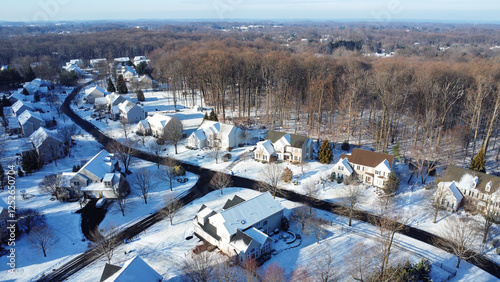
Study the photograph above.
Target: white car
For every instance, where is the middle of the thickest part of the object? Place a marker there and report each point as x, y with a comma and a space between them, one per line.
100, 203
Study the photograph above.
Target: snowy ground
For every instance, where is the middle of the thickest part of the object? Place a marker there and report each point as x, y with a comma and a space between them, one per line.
164, 247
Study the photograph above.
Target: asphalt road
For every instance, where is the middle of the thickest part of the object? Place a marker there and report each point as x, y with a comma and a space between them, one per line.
201, 188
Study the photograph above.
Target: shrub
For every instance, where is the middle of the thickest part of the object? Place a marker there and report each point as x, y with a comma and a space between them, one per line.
333, 177
160, 141
287, 175
285, 223
392, 183
179, 170
226, 157
339, 179
345, 146
140, 96
325, 154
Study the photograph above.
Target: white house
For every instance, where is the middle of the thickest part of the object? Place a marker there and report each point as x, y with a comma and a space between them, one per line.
140, 59
21, 106
371, 168
73, 67
287, 147
100, 104
228, 135
94, 92
450, 196
155, 125
48, 144
130, 112
114, 99
240, 229
134, 269
37, 86
478, 189
342, 168
13, 125
100, 177
30, 122
77, 62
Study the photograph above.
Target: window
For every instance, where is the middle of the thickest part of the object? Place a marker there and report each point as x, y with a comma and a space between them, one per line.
357, 167
76, 183
265, 223
377, 172
341, 167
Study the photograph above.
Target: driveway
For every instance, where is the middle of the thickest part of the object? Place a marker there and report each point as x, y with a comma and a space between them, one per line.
92, 217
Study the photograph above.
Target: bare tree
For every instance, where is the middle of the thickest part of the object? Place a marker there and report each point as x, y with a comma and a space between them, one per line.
226, 272
271, 175
29, 219
221, 180
125, 128
155, 149
51, 184
311, 191
360, 262
352, 196
167, 172
323, 267
215, 145
316, 226
245, 134
250, 265
66, 133
124, 152
198, 267
43, 238
302, 215
301, 274
142, 183
459, 236
436, 201
173, 133
489, 217
121, 196
106, 240
172, 206
275, 273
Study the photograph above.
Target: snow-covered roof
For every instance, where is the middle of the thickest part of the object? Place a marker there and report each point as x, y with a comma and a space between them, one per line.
95, 88
247, 213
345, 163
199, 134
159, 120
135, 269
13, 123
468, 181
257, 235
66, 178
96, 186
122, 59
27, 114
456, 193
100, 164
115, 110
267, 146
18, 96
115, 99
126, 106
144, 123
39, 136
100, 101
19, 104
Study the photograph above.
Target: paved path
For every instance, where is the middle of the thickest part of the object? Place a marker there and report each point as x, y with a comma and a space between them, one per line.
200, 189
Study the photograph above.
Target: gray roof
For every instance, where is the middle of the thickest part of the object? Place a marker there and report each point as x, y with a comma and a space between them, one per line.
233, 202
109, 270
454, 173
296, 141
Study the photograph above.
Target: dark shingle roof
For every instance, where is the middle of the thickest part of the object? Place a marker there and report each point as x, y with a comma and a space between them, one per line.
210, 229
233, 202
109, 270
454, 173
368, 158
240, 235
296, 141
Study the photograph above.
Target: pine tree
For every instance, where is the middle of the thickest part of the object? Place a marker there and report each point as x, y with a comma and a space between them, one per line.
122, 87
140, 96
395, 151
391, 184
478, 163
29, 75
206, 116
287, 175
111, 86
325, 153
213, 116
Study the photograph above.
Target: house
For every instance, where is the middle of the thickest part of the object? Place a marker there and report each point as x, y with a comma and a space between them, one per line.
94, 92
342, 169
100, 177
241, 228
73, 67
450, 196
13, 125
134, 269
130, 112
228, 135
128, 72
18, 95
122, 60
145, 82
100, 104
140, 59
115, 113
371, 168
478, 189
4, 216
21, 106
47, 144
114, 99
37, 86
30, 122
286, 147
77, 62
157, 124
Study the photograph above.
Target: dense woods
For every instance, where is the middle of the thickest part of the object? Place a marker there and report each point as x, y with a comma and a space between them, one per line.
438, 98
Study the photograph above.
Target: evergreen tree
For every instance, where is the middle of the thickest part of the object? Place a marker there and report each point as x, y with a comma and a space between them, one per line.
111, 86
392, 183
213, 116
287, 175
206, 116
395, 151
29, 75
478, 163
122, 87
325, 154
140, 95
5, 101
68, 78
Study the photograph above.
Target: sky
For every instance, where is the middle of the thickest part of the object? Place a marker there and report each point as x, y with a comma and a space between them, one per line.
372, 10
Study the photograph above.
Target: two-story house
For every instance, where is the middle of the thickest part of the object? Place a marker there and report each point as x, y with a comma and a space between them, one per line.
227, 135
100, 177
48, 144
477, 189
130, 112
285, 146
240, 229
94, 92
371, 168
155, 125
30, 122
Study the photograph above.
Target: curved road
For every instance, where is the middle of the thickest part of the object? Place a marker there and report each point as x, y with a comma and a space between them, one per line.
201, 188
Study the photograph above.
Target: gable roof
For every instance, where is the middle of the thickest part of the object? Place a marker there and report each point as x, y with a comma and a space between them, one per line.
95, 88
457, 174
345, 163
19, 104
27, 115
296, 141
257, 235
233, 202
135, 269
456, 193
267, 146
247, 213
109, 270
126, 106
41, 134
159, 120
368, 158
100, 164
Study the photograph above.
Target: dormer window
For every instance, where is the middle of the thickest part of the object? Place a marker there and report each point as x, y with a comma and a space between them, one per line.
488, 187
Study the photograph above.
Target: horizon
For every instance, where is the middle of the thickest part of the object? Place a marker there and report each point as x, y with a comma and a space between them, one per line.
444, 11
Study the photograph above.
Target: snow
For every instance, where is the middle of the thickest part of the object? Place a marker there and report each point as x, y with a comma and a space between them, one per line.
100, 164
135, 270
257, 235
41, 134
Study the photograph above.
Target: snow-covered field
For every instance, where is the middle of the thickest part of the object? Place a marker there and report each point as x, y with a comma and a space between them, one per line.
164, 247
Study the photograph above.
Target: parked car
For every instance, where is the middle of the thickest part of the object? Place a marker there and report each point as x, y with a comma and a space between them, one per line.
100, 203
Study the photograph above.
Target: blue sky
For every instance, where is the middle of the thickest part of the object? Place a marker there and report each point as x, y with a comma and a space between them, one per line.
377, 10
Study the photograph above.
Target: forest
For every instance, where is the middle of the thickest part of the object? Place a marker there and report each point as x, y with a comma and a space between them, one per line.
437, 99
